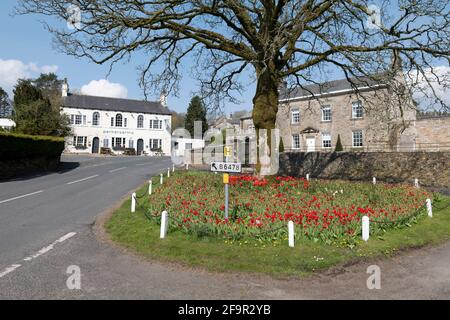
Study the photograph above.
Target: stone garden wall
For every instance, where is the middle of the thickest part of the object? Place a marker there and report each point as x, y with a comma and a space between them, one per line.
431, 168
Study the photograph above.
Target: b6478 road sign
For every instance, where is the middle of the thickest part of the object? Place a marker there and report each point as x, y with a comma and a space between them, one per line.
226, 167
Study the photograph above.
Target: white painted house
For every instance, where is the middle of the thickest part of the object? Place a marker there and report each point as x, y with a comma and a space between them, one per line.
117, 124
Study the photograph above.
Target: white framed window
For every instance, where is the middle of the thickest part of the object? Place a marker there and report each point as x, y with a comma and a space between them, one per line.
357, 138
326, 140
96, 119
80, 141
112, 121
156, 124
155, 144
357, 110
72, 119
326, 113
105, 143
118, 143
295, 141
140, 121
78, 119
295, 116
119, 120
130, 143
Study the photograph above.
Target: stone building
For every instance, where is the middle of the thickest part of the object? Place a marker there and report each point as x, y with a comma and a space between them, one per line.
364, 113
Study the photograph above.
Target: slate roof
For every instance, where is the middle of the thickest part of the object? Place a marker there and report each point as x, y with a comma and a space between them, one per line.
114, 104
328, 87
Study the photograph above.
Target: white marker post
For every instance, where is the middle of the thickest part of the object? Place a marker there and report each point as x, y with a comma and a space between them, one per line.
307, 176
133, 202
429, 208
168, 172
161, 179
173, 168
416, 183
164, 224
187, 166
291, 233
365, 228
374, 180
150, 187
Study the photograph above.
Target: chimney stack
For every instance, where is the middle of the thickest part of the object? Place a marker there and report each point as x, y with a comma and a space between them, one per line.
65, 88
163, 99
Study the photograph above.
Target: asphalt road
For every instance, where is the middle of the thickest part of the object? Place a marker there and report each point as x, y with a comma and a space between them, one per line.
43, 234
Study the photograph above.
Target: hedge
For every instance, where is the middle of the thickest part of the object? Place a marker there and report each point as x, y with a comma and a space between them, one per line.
15, 146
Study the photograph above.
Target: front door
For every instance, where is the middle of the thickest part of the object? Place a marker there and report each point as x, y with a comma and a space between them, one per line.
95, 145
310, 144
140, 146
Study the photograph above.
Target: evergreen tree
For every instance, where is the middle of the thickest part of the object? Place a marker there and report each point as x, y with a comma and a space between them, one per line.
339, 144
196, 112
5, 106
34, 113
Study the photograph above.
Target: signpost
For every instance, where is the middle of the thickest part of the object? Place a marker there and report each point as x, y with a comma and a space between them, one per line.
226, 167
230, 167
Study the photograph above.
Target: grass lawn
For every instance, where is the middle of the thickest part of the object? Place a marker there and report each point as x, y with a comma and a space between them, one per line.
136, 232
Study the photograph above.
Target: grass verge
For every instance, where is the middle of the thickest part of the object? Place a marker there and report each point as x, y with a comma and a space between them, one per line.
134, 231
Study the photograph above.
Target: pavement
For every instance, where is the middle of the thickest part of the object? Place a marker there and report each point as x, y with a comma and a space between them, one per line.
47, 227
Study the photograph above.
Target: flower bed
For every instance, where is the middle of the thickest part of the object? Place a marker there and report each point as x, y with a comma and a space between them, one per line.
328, 211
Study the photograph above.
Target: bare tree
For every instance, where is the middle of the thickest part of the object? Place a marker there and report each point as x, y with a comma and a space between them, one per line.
278, 41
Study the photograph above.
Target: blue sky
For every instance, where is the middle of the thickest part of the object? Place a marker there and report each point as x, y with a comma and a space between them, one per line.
23, 38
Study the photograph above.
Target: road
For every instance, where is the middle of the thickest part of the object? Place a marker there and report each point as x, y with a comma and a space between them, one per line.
46, 226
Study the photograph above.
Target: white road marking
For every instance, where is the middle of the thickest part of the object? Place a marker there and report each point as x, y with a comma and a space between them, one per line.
143, 164
117, 169
50, 247
84, 179
9, 270
23, 196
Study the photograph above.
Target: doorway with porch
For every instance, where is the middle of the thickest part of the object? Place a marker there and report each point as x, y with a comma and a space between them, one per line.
310, 144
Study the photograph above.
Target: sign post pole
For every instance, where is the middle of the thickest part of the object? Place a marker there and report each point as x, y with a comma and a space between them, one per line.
226, 180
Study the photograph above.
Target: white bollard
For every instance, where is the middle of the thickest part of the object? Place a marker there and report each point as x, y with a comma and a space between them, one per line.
168, 172
150, 187
374, 180
161, 179
291, 233
307, 176
173, 168
133, 202
416, 183
164, 224
187, 166
365, 228
429, 208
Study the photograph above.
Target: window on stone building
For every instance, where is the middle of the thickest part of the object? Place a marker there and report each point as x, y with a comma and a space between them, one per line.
357, 139
326, 113
78, 119
295, 141
295, 116
326, 140
357, 110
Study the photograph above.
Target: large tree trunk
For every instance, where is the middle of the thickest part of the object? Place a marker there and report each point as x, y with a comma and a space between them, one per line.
265, 108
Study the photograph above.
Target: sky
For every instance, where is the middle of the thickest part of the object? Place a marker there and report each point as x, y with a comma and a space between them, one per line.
26, 50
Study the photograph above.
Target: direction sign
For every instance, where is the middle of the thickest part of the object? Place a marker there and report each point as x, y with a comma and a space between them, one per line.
226, 167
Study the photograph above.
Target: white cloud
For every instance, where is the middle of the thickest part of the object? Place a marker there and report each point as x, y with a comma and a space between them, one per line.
104, 88
12, 70
423, 89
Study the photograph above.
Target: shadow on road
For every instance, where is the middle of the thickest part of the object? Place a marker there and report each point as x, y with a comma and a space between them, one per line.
63, 167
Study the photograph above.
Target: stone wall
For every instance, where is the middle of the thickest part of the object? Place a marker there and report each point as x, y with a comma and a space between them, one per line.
433, 133
431, 168
22, 167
